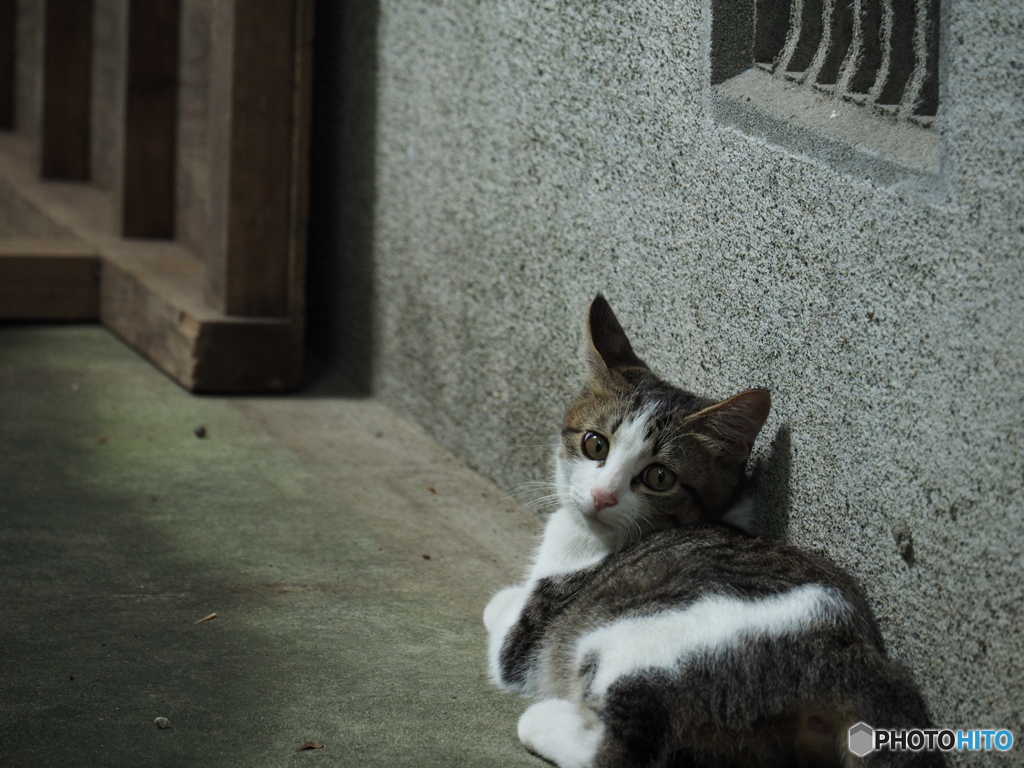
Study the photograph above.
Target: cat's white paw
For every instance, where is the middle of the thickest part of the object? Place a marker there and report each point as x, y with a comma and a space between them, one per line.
500, 616
561, 732
508, 601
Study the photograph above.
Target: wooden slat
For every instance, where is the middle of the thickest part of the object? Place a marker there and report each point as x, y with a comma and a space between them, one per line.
8, 39
251, 123
28, 75
66, 89
109, 53
151, 118
192, 174
48, 280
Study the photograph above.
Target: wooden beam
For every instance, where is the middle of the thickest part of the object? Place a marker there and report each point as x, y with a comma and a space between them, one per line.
48, 280
251, 123
8, 41
149, 298
66, 89
151, 119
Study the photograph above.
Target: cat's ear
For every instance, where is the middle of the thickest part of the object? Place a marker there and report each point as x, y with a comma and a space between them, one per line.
734, 424
609, 348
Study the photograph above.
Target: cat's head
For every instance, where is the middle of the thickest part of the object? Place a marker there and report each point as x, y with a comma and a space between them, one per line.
638, 454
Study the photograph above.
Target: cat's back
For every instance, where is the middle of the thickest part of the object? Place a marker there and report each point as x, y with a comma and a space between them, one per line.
698, 589
682, 565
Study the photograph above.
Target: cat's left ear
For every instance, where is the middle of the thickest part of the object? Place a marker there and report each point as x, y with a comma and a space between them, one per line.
609, 347
735, 423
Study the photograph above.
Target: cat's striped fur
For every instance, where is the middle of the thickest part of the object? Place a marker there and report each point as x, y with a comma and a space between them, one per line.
654, 631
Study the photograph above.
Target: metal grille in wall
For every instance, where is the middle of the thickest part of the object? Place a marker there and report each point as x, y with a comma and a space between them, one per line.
881, 54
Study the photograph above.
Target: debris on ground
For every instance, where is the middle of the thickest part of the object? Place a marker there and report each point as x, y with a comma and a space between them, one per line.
207, 618
310, 745
162, 723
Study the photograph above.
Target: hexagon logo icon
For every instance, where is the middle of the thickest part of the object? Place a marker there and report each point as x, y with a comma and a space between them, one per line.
862, 739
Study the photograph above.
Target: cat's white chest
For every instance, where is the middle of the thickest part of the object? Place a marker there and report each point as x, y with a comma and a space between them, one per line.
568, 545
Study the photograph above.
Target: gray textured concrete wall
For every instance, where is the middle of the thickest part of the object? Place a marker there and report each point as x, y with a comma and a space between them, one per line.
528, 154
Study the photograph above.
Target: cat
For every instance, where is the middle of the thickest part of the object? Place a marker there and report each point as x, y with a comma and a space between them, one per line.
653, 629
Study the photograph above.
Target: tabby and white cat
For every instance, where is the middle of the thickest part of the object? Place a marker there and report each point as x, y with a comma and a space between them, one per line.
654, 631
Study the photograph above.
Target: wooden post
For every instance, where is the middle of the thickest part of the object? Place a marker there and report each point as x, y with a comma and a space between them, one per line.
251, 122
151, 119
66, 89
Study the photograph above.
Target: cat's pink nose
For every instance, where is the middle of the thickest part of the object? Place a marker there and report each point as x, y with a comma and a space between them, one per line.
603, 499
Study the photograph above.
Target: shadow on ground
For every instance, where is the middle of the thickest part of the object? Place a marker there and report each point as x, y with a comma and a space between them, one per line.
305, 524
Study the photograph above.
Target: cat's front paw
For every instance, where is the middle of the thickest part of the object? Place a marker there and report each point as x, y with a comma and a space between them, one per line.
508, 601
562, 733
500, 615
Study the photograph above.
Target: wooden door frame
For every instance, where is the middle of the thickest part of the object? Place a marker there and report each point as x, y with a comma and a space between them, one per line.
220, 305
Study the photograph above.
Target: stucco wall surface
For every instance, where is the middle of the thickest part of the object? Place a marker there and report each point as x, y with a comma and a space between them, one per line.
527, 154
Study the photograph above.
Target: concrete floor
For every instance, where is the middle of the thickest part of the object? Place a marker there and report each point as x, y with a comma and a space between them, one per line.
347, 557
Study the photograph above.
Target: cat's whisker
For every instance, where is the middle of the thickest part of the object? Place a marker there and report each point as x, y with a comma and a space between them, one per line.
647, 521
532, 498
531, 484
543, 497
532, 488
542, 502
532, 495
624, 534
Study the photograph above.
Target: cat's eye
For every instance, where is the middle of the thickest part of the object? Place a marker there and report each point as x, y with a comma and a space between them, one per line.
595, 446
658, 478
